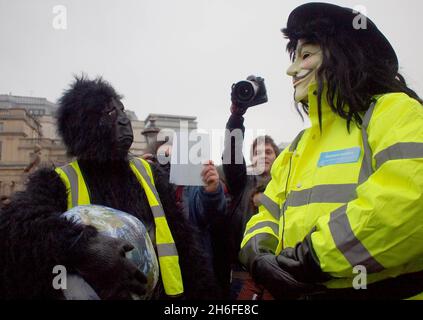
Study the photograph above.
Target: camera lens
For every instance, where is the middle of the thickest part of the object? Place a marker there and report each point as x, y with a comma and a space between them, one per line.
248, 93
244, 91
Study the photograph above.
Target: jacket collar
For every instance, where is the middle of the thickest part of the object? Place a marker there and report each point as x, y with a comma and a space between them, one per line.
327, 114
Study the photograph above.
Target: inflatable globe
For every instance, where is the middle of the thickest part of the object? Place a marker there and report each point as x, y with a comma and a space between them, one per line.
116, 224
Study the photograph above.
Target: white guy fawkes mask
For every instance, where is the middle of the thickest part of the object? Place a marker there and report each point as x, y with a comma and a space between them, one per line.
308, 58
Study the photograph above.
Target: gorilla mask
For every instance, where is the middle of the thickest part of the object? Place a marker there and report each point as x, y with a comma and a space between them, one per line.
123, 129
92, 121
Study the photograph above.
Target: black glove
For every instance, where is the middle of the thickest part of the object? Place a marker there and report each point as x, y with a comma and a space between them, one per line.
302, 262
104, 266
294, 273
279, 282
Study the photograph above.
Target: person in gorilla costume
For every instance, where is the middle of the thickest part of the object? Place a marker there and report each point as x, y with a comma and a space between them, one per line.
34, 237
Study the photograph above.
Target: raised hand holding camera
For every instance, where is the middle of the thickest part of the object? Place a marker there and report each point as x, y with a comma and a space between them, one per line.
248, 93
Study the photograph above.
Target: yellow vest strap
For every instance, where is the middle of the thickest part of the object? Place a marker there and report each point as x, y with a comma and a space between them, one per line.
76, 188
166, 248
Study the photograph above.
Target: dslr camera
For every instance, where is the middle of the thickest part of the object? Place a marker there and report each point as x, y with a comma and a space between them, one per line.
248, 93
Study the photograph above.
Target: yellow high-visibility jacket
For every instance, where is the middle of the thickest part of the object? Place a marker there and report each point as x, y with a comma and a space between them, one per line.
359, 193
78, 195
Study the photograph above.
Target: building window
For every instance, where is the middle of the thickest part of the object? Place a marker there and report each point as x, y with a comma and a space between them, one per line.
37, 112
0, 149
1, 126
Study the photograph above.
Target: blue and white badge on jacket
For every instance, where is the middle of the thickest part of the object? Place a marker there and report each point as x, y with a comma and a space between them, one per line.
350, 155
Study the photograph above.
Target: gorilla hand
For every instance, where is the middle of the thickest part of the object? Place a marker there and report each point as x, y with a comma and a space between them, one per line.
105, 267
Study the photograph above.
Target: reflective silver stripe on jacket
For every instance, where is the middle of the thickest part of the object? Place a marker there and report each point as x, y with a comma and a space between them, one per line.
166, 249
366, 166
260, 243
263, 224
325, 193
351, 247
73, 180
400, 151
270, 205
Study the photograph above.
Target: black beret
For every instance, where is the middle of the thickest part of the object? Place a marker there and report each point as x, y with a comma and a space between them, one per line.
335, 21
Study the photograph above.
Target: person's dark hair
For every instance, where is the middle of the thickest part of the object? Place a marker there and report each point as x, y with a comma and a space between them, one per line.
267, 140
352, 71
80, 118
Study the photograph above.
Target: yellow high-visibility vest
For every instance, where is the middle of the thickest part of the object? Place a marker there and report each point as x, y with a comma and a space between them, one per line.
77, 191
359, 193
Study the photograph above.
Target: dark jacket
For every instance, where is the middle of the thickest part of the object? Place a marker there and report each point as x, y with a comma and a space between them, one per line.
203, 209
241, 186
206, 212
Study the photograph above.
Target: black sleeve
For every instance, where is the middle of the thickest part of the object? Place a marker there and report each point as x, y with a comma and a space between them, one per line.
196, 268
34, 238
234, 166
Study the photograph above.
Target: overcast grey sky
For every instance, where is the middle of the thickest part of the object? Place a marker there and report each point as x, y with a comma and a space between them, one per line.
179, 56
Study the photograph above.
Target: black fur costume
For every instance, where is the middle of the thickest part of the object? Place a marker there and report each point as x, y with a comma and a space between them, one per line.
33, 236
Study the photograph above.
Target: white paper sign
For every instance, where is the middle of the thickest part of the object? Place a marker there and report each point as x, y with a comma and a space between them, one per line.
190, 150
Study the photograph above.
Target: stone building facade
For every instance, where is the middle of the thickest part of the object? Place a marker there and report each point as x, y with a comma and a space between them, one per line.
27, 125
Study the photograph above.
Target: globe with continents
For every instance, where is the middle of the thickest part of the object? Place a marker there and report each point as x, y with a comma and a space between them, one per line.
116, 224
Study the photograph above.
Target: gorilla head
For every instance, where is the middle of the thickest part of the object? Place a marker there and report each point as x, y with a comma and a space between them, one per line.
92, 121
